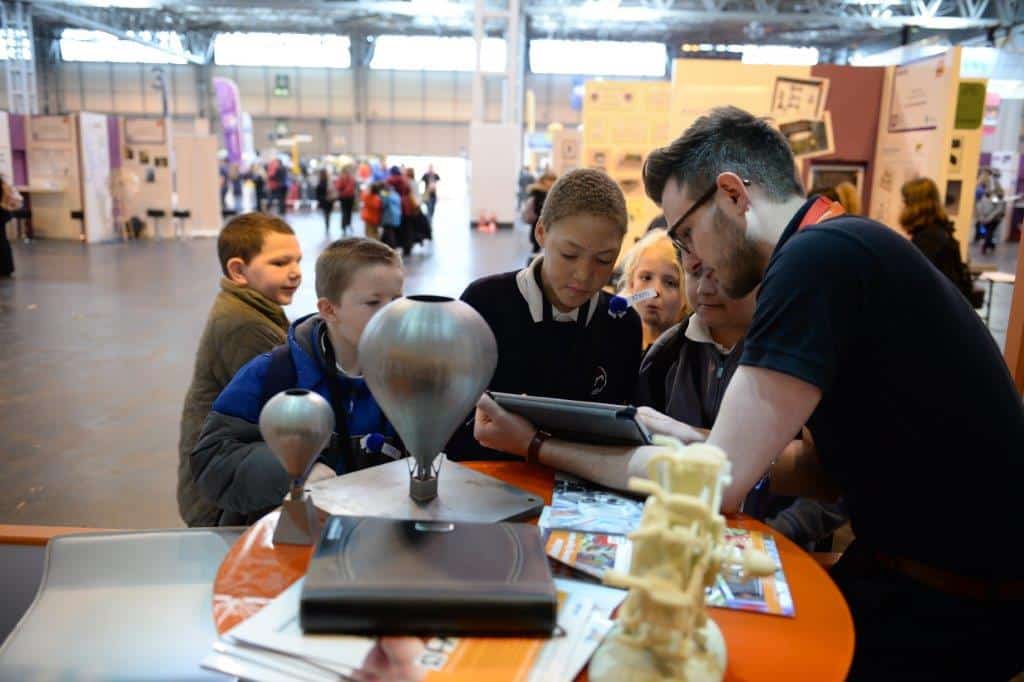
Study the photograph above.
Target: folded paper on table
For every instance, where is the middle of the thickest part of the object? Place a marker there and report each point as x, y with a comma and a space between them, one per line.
270, 646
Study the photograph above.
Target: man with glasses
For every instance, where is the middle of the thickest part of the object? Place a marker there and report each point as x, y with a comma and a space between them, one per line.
915, 417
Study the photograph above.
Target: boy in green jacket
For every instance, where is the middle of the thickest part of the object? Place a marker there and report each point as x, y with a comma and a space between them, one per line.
259, 256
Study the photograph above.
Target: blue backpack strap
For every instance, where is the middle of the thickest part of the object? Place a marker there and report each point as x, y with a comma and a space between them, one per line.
281, 374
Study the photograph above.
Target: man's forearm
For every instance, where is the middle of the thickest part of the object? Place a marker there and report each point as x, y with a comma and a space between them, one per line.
608, 465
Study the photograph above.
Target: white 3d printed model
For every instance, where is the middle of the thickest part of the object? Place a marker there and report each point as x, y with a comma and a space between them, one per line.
663, 631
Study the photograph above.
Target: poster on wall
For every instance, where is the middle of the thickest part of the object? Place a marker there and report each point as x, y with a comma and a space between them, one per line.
798, 98
569, 149
970, 106
145, 131
831, 175
809, 137
918, 95
50, 167
50, 128
956, 155
622, 122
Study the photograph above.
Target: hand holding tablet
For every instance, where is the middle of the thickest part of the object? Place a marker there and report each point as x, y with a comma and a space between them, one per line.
570, 420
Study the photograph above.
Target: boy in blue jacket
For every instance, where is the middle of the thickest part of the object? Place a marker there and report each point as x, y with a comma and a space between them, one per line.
232, 466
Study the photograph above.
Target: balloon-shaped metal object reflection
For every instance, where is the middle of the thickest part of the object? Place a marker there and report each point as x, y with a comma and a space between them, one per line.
296, 424
427, 360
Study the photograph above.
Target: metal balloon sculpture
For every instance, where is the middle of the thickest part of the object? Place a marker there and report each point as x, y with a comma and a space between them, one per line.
297, 424
427, 360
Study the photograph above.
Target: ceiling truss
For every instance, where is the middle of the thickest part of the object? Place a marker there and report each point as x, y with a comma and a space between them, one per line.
837, 24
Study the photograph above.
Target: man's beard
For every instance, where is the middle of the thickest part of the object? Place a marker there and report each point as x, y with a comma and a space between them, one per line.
743, 265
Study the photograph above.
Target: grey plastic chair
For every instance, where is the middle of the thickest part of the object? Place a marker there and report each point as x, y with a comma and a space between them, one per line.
120, 606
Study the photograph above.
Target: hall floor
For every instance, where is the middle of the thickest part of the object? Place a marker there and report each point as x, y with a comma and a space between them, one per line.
99, 345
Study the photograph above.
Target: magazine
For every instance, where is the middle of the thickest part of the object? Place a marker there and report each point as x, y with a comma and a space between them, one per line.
594, 553
738, 592
590, 553
579, 506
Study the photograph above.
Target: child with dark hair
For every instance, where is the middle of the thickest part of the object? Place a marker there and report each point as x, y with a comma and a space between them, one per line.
556, 335
233, 467
259, 258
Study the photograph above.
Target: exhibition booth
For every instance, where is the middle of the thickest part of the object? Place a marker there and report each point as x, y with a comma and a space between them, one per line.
875, 127
98, 178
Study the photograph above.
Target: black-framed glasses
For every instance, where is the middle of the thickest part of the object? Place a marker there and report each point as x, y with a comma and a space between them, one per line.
682, 244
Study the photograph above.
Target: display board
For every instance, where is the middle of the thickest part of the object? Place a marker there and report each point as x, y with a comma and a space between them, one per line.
622, 122
963, 161
699, 85
566, 150
925, 143
53, 174
97, 202
198, 188
918, 94
146, 162
494, 158
828, 113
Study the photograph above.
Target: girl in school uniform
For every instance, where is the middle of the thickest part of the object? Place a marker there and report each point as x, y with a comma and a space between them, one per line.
556, 335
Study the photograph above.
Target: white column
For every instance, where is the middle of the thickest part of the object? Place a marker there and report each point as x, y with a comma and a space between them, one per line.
479, 12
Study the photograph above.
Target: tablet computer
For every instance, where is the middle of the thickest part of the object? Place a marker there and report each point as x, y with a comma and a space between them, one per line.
578, 421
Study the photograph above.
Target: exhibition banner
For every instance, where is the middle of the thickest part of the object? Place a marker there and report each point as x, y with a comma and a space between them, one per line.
229, 106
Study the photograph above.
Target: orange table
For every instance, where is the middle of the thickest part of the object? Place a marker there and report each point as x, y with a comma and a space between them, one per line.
817, 644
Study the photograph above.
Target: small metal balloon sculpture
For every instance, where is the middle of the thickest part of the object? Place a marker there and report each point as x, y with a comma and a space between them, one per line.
297, 424
427, 360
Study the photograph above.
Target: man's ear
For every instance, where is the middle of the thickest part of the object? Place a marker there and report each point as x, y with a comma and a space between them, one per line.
540, 233
326, 310
237, 271
734, 196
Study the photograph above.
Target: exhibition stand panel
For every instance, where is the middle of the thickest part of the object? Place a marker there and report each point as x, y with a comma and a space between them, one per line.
919, 134
6, 150
494, 152
829, 114
54, 180
198, 179
69, 169
622, 122
148, 167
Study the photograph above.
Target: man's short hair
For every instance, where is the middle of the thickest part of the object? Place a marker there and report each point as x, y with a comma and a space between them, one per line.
585, 191
343, 258
243, 235
727, 139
